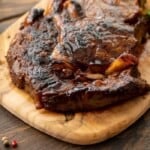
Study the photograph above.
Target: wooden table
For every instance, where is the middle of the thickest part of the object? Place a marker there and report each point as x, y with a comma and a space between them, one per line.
137, 137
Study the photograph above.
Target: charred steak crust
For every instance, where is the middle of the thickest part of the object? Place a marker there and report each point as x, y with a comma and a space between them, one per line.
69, 59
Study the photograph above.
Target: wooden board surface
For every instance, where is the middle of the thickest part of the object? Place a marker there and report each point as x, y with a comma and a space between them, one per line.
89, 147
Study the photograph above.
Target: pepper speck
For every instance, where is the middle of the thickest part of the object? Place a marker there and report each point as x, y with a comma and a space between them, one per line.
6, 143
4, 138
14, 144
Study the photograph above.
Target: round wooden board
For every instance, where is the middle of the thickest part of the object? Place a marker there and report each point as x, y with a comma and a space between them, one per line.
80, 128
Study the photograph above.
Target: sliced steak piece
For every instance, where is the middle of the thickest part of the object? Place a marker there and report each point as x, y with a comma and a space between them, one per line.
78, 55
96, 94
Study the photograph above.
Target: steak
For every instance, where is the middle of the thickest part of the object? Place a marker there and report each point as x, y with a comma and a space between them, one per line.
79, 55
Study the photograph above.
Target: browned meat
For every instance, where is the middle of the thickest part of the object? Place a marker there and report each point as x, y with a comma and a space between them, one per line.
81, 55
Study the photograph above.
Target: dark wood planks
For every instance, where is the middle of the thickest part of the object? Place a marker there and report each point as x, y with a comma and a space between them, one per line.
6, 23
12, 8
137, 137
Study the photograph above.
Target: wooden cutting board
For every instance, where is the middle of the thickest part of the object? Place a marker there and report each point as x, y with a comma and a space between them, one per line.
79, 128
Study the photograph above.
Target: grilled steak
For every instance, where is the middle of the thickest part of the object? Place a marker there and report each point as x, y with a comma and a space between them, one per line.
79, 55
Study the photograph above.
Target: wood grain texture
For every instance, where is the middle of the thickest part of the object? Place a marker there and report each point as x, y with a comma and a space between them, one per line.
137, 137
123, 144
5, 24
7, 8
10, 10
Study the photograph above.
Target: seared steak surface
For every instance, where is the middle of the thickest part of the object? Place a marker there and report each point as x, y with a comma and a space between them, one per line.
78, 55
